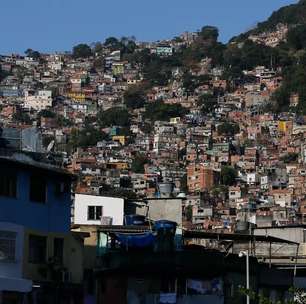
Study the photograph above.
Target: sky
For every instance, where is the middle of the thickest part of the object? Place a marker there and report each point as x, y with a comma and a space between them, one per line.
58, 25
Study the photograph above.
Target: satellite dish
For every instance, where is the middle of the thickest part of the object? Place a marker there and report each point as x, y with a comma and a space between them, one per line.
50, 146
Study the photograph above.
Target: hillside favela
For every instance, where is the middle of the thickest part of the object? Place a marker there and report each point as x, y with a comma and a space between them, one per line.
169, 171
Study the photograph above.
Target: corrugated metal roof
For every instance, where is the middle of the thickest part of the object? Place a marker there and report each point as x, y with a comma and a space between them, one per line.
233, 237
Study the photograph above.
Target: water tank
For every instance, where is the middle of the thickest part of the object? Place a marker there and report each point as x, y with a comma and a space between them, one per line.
166, 225
134, 220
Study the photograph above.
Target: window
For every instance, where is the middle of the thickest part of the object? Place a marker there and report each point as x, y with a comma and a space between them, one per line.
94, 213
58, 250
8, 185
7, 246
38, 187
37, 249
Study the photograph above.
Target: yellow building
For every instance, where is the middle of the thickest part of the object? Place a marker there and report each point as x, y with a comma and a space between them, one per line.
284, 126
76, 96
175, 120
118, 68
90, 244
118, 165
120, 138
52, 257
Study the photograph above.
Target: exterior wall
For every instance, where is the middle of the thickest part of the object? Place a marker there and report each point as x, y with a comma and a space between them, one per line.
54, 215
112, 207
164, 209
13, 269
200, 178
37, 102
72, 257
90, 246
234, 193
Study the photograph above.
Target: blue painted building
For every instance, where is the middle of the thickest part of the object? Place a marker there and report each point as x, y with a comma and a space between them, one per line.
35, 195
37, 247
10, 92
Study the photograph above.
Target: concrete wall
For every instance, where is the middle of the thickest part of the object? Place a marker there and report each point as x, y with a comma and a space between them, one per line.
90, 245
72, 257
164, 209
112, 207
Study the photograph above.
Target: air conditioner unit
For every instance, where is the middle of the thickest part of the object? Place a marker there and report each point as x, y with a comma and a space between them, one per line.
106, 220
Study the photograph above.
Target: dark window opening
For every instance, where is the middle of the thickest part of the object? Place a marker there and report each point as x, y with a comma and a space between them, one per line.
58, 250
38, 187
37, 249
8, 185
7, 245
94, 213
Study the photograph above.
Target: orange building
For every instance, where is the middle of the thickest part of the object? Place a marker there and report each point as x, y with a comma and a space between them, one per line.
200, 178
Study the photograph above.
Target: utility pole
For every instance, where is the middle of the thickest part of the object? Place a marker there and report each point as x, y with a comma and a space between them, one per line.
246, 254
247, 277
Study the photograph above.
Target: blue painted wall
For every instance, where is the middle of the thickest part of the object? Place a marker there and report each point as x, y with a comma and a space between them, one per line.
52, 216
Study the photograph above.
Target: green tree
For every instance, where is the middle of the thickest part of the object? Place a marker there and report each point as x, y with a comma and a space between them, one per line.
46, 113
290, 157
90, 136
64, 122
134, 97
33, 54
228, 175
207, 102
191, 82
209, 33
296, 37
112, 42
22, 117
138, 163
114, 117
98, 47
228, 129
86, 137
160, 111
81, 50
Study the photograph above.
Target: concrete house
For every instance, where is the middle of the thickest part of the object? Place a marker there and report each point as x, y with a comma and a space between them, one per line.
35, 238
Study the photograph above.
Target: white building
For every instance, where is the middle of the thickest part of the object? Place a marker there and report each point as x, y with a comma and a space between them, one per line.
39, 101
93, 210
